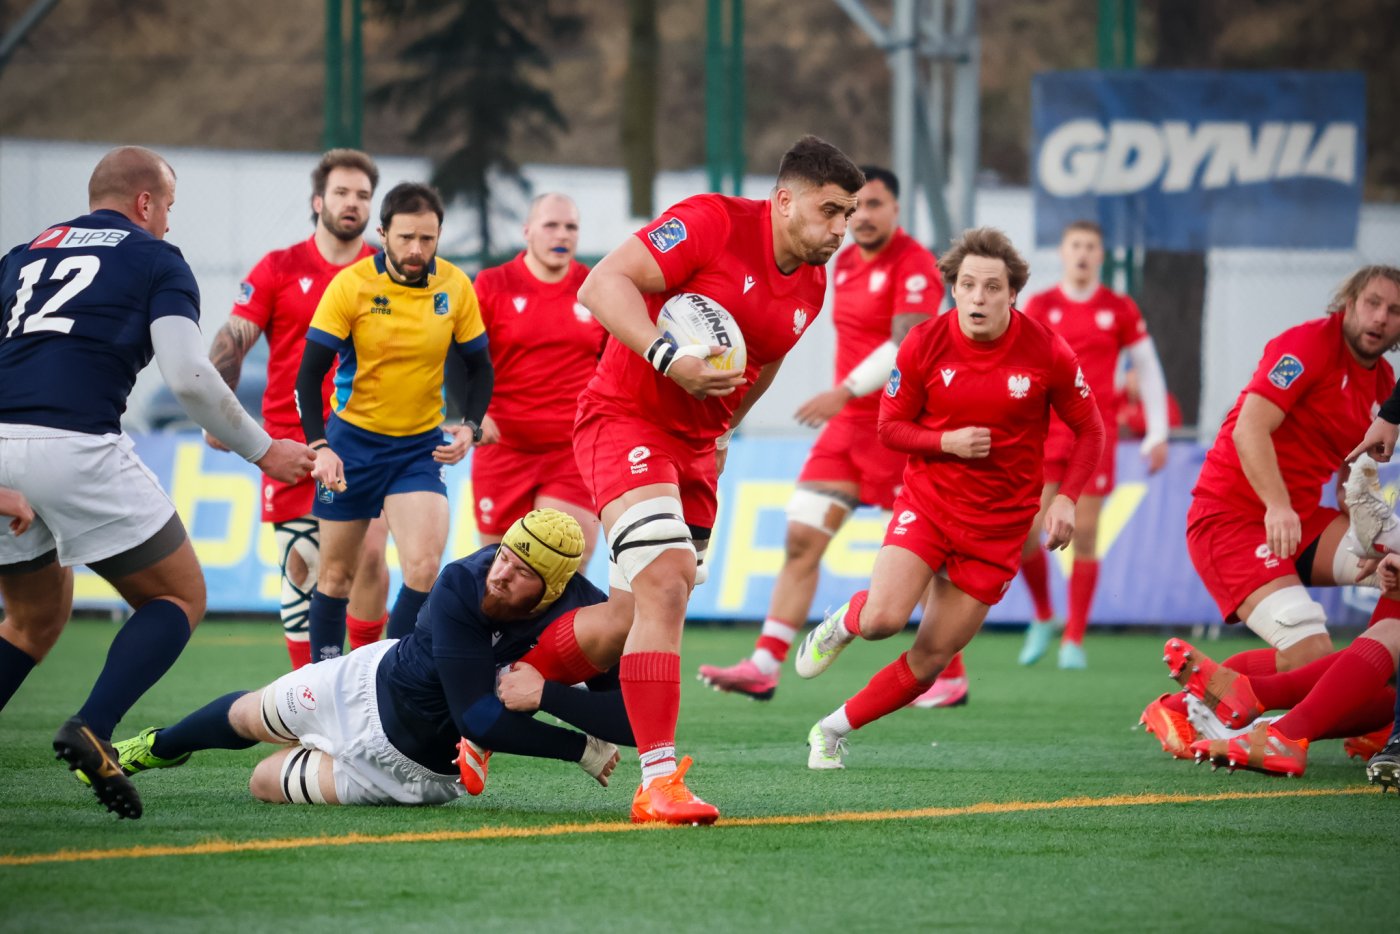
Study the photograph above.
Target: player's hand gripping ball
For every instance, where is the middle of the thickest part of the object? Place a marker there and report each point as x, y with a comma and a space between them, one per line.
695, 323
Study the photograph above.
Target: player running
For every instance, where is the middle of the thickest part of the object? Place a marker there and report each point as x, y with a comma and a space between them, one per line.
653, 423
83, 308
277, 300
1256, 532
544, 348
884, 286
401, 721
969, 400
1099, 324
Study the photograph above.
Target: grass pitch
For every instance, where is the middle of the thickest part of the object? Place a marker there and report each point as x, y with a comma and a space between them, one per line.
1034, 807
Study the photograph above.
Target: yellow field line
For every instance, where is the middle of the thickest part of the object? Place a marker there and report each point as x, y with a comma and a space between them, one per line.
219, 847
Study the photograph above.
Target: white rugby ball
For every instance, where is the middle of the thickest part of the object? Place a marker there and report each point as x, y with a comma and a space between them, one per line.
691, 319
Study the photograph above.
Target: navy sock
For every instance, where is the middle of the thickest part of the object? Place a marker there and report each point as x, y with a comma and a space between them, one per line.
15, 666
142, 652
404, 616
327, 626
206, 728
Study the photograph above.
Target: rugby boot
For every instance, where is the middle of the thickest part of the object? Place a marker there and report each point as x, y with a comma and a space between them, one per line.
1384, 767
944, 692
135, 755
1172, 729
1038, 636
668, 800
76, 744
743, 678
1225, 691
827, 750
1072, 657
1373, 522
1364, 747
823, 644
1262, 749
472, 762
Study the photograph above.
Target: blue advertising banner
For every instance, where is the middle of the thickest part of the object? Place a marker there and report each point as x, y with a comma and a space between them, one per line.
1145, 578
1189, 160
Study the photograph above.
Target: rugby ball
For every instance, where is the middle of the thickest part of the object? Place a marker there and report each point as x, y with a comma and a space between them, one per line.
693, 320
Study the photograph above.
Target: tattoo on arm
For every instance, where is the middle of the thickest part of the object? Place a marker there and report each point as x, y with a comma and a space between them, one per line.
231, 345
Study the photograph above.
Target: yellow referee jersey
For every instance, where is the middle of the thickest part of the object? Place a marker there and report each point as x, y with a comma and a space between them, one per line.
392, 342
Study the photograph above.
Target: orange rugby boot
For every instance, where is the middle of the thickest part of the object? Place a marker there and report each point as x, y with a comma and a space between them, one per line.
1172, 729
1262, 749
1226, 692
667, 800
1364, 747
472, 760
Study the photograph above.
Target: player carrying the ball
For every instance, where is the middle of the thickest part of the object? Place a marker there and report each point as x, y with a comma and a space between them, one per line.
654, 422
969, 400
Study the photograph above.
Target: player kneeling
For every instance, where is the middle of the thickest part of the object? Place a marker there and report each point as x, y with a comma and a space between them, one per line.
383, 725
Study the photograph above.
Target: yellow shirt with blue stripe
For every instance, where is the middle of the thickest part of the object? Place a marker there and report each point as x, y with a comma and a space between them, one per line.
393, 340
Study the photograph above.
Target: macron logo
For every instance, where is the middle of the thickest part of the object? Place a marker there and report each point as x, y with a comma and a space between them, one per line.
305, 283
948, 375
748, 284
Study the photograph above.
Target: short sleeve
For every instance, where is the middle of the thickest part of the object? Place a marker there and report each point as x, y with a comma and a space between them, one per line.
487, 290
917, 288
1287, 369
468, 327
687, 237
173, 289
335, 313
257, 293
1131, 327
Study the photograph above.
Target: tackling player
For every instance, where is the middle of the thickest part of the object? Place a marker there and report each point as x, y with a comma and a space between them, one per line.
884, 286
83, 307
969, 400
544, 348
278, 299
392, 319
1256, 532
1098, 324
653, 423
382, 724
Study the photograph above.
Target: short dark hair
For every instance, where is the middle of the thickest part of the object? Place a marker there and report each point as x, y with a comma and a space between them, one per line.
1086, 226
873, 173
817, 162
342, 159
990, 243
409, 198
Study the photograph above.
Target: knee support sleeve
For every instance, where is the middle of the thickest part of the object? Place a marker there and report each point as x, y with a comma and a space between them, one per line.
1346, 568
641, 534
1286, 617
819, 509
272, 717
301, 776
303, 537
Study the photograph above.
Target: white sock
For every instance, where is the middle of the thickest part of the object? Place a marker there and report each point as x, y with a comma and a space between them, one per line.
765, 661
657, 763
837, 722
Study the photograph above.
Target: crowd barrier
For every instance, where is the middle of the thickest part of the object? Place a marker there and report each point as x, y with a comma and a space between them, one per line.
1146, 576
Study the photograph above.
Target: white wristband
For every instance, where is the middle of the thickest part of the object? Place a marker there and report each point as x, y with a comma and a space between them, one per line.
872, 373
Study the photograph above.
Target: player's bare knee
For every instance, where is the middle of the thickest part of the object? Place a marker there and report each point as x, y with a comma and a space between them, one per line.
805, 545
881, 622
1387, 633
421, 572
265, 783
334, 578
1303, 652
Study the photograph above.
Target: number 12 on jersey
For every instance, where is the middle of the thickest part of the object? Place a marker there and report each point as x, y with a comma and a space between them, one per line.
78, 271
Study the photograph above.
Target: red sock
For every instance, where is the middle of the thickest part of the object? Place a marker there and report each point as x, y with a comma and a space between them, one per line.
1386, 608
852, 618
777, 641
1287, 689
1254, 663
364, 631
1036, 571
893, 687
651, 690
954, 669
558, 656
1376, 713
1359, 672
1083, 581
299, 653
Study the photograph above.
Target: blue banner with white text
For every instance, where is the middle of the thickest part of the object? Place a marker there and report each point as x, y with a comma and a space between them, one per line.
1190, 160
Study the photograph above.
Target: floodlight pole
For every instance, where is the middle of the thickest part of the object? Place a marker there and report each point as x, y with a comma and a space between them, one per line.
31, 18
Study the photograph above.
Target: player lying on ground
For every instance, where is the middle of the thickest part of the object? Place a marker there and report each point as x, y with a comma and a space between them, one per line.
382, 725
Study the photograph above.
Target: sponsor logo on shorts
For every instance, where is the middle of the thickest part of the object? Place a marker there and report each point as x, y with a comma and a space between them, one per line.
1268, 557
324, 494
306, 697
892, 387
440, 306
635, 457
799, 321
245, 293
1104, 319
1018, 385
667, 234
487, 504
902, 522
1285, 371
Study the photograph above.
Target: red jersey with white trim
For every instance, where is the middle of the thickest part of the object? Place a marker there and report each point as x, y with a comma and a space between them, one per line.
280, 296
1329, 400
720, 247
544, 347
944, 381
1097, 329
901, 279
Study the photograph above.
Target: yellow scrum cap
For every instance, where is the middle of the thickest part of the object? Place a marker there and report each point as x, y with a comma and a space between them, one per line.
551, 543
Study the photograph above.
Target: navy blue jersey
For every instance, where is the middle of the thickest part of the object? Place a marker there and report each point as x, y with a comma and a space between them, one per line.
432, 680
76, 306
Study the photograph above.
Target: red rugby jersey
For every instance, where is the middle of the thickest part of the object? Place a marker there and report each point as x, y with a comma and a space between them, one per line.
901, 279
945, 381
1329, 400
544, 347
720, 247
280, 296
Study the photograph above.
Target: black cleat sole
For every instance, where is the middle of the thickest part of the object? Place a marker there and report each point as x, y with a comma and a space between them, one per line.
76, 745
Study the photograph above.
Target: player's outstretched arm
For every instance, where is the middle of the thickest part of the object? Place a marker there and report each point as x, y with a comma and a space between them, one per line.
1152, 389
230, 346
1379, 441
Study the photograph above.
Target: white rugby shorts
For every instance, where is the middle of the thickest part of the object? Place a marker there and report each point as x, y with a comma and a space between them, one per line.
331, 706
92, 496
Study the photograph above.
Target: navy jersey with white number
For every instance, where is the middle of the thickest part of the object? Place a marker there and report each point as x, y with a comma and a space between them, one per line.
76, 306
